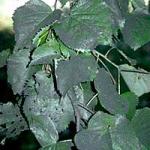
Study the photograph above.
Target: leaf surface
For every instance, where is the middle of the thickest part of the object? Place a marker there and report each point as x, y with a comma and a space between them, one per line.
108, 96
36, 14
88, 24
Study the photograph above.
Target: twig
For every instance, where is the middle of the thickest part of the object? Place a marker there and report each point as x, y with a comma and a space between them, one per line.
91, 99
84, 107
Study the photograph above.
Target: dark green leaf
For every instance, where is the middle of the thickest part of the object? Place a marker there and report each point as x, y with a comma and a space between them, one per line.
93, 139
44, 129
138, 81
101, 121
88, 24
41, 99
63, 2
11, 120
119, 9
109, 98
17, 70
123, 136
136, 31
141, 125
72, 72
63, 145
29, 19
3, 57
132, 100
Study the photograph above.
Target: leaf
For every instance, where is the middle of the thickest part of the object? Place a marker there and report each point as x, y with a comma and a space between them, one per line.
46, 53
136, 31
101, 121
41, 37
138, 3
41, 99
123, 136
36, 14
138, 81
72, 72
62, 145
97, 135
93, 139
11, 121
108, 96
141, 125
119, 11
17, 71
63, 2
86, 25
44, 129
3, 57
132, 100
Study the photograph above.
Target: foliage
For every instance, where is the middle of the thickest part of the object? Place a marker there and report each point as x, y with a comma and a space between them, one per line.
70, 66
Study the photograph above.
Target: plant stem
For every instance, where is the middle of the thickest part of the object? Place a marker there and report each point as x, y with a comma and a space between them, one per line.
91, 99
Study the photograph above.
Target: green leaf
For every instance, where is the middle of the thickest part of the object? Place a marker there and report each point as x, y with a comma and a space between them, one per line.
17, 71
72, 72
108, 96
97, 135
119, 11
62, 145
138, 3
86, 25
63, 2
132, 100
136, 31
141, 125
41, 99
3, 57
41, 37
101, 121
123, 136
93, 139
11, 120
46, 53
36, 14
138, 80
44, 129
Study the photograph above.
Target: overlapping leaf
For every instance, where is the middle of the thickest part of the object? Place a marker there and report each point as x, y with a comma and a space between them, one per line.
108, 96
41, 99
138, 81
29, 19
72, 72
136, 31
88, 24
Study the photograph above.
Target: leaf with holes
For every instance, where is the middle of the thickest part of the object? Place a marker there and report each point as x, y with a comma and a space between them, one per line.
11, 121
